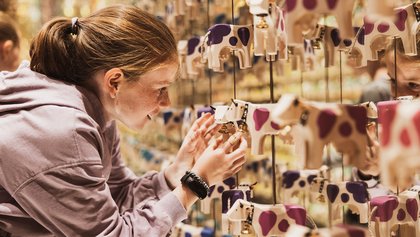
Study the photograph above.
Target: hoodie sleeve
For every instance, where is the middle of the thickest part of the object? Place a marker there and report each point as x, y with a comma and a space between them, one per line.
129, 190
73, 198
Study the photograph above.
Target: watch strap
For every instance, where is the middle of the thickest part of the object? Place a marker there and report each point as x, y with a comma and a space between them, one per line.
196, 184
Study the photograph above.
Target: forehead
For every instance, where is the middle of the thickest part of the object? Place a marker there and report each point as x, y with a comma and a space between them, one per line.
163, 75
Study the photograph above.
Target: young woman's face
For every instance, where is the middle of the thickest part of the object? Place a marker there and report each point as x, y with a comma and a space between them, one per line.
138, 101
407, 78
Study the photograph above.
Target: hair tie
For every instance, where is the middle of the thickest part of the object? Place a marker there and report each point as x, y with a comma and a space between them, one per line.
74, 25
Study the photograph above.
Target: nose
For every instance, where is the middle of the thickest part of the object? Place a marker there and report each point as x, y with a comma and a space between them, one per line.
164, 100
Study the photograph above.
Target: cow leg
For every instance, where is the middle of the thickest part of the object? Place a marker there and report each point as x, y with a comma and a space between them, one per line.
363, 212
384, 229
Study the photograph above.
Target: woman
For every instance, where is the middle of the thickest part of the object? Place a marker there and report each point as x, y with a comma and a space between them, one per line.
60, 168
405, 78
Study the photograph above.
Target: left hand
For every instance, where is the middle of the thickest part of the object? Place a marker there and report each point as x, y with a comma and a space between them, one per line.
195, 142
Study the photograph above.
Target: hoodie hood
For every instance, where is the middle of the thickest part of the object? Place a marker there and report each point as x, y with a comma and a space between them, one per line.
25, 89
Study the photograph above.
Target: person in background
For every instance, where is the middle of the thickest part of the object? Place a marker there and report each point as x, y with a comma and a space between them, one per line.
378, 89
405, 77
9, 43
61, 172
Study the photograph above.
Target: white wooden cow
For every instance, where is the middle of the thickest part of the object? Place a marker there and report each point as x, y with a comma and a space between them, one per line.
301, 12
335, 231
216, 193
222, 39
321, 123
388, 211
265, 219
229, 197
400, 143
258, 120
404, 26
194, 56
299, 181
270, 36
330, 37
353, 194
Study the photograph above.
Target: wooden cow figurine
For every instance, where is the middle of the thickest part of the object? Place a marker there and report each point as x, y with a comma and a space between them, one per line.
340, 230
222, 39
404, 26
321, 123
299, 181
388, 211
193, 58
353, 194
258, 121
269, 29
266, 220
301, 12
216, 193
400, 143
330, 37
229, 197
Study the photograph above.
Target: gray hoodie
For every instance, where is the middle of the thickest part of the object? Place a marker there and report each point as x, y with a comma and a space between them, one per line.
61, 172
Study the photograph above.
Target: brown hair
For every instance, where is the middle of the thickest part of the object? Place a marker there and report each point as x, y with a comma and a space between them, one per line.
118, 36
397, 44
8, 29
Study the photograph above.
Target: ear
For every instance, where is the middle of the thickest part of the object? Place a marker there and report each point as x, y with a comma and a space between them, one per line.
6, 48
112, 81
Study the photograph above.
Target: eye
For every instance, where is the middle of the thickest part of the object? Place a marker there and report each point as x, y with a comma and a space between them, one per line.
413, 86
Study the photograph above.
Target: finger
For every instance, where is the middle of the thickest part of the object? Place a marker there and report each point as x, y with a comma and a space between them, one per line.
199, 122
237, 169
232, 140
240, 151
217, 142
238, 162
211, 131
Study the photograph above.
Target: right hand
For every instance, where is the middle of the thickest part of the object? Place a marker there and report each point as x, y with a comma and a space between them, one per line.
219, 161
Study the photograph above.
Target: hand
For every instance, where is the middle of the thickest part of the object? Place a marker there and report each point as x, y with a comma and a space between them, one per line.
219, 162
195, 142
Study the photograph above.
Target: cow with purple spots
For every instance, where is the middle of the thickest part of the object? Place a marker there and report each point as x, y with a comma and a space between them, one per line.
216, 193
270, 36
294, 182
193, 58
353, 194
258, 122
389, 211
331, 40
404, 25
321, 123
223, 39
264, 219
229, 197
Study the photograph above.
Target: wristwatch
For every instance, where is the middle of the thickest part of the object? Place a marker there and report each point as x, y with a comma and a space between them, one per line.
195, 184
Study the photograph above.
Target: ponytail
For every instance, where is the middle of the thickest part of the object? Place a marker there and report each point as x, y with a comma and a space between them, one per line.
117, 36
